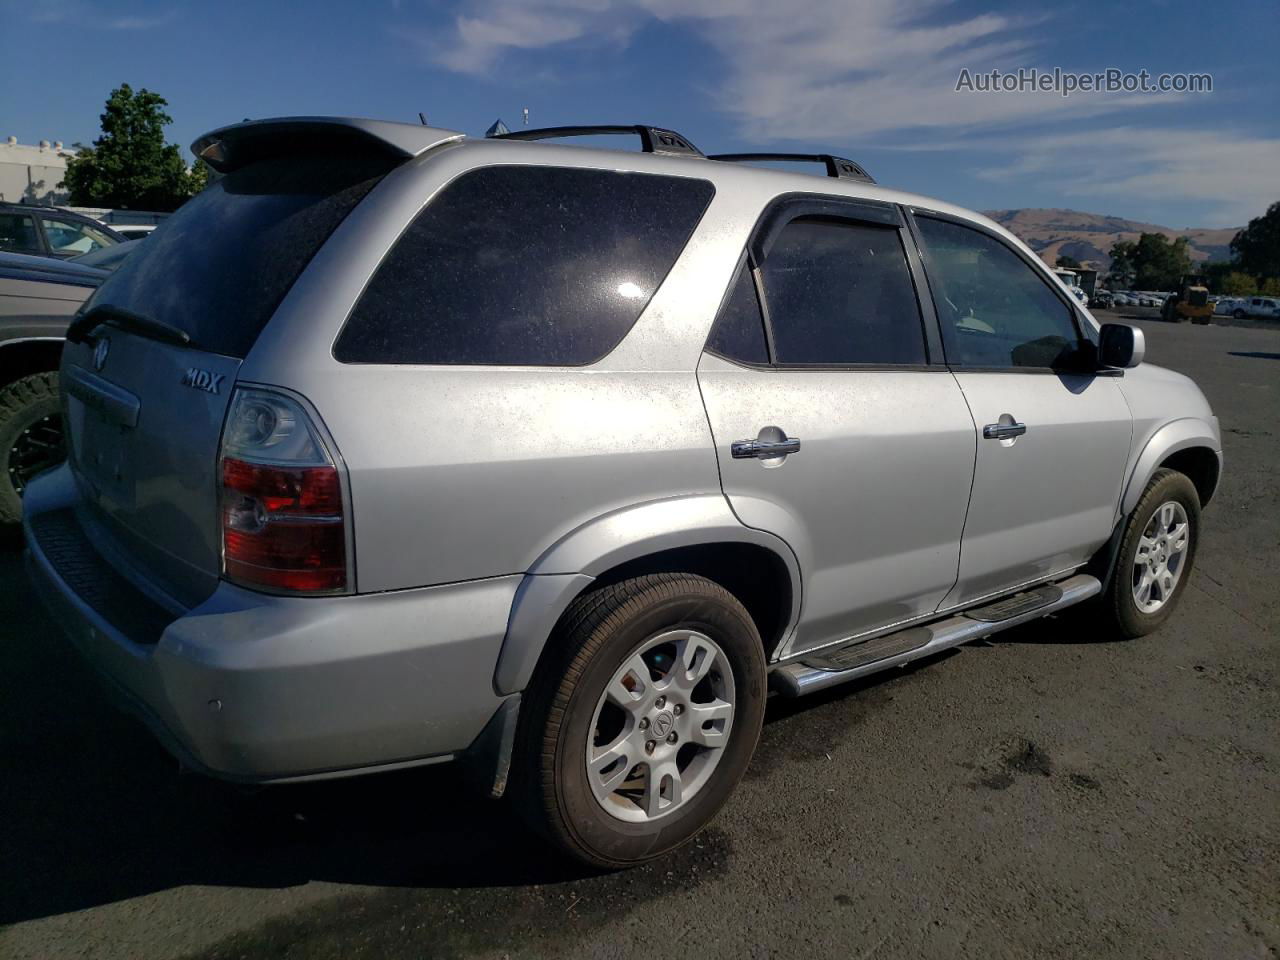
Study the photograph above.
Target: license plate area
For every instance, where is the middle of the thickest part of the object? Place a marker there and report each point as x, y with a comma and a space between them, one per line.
104, 458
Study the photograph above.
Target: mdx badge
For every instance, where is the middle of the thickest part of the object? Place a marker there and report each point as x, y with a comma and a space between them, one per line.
100, 353
203, 380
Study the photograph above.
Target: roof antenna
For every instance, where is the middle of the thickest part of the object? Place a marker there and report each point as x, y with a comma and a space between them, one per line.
423, 117
526, 116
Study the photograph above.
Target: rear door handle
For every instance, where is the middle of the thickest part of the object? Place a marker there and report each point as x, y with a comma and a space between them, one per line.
764, 449
1003, 431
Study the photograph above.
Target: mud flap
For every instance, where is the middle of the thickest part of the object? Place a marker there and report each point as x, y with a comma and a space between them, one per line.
487, 762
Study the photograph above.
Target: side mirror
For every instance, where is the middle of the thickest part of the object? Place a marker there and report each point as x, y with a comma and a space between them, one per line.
1121, 345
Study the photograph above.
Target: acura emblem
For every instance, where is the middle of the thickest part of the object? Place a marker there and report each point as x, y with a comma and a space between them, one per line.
663, 723
100, 353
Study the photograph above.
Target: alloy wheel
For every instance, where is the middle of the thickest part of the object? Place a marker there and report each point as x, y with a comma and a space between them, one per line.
1161, 557
661, 726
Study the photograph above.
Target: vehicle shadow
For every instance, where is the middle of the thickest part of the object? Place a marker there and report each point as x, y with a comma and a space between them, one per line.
96, 812
1253, 354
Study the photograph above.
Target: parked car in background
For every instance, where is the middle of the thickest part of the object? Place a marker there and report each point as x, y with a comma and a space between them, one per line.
134, 231
38, 295
107, 258
1258, 308
482, 451
50, 232
1102, 300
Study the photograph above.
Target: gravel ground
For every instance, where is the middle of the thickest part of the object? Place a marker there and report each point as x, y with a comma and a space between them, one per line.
1053, 793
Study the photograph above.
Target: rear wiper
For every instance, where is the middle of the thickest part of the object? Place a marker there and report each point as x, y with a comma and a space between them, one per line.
123, 319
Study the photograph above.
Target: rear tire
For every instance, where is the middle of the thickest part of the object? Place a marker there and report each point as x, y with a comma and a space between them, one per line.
1238, 314
1154, 563
612, 684
30, 437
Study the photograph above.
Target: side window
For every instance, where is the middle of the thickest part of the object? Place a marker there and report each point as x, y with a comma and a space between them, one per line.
524, 265
739, 330
70, 239
18, 233
994, 309
840, 292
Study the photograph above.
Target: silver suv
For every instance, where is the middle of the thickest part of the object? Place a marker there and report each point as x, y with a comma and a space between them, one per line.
395, 447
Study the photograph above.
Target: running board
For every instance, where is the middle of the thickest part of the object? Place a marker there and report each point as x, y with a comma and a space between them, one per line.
853, 660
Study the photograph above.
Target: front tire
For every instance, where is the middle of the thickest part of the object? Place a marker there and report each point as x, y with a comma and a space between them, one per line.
641, 718
1156, 555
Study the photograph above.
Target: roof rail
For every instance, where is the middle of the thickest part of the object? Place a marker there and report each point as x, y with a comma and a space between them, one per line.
652, 139
836, 166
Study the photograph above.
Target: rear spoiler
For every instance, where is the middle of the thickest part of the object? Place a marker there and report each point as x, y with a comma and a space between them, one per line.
229, 148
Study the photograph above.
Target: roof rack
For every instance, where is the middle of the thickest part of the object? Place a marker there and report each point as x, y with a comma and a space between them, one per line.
652, 139
836, 166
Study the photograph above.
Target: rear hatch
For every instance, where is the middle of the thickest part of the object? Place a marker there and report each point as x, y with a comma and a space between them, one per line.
150, 364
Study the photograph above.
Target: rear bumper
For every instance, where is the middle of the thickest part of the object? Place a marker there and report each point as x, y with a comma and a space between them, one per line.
258, 688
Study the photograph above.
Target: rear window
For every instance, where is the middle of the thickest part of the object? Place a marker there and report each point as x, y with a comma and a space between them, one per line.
220, 266
532, 266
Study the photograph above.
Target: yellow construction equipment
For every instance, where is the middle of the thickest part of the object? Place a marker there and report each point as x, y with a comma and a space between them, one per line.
1191, 302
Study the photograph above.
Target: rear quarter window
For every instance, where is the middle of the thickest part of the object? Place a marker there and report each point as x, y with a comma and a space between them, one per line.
524, 265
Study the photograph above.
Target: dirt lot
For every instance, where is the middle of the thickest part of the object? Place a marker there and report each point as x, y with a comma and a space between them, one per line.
1055, 793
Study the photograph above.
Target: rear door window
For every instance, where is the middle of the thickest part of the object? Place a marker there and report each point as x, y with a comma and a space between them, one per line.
840, 292
226, 259
70, 238
18, 234
524, 265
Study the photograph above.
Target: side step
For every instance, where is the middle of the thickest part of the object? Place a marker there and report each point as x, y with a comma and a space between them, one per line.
1015, 606
853, 660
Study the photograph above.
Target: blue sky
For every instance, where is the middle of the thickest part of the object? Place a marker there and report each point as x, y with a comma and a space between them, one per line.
870, 79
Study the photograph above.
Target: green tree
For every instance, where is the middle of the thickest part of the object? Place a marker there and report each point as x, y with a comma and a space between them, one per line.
1161, 263
1153, 263
1256, 248
1237, 284
1270, 287
1070, 263
197, 177
130, 166
1123, 268
1215, 273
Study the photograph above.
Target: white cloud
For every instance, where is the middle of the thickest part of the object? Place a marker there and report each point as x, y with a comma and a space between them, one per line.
1232, 174
885, 72
804, 69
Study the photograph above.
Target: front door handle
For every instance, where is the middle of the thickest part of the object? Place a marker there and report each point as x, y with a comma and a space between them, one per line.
764, 449
1003, 431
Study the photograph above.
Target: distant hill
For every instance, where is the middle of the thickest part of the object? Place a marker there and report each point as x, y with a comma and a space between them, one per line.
1088, 236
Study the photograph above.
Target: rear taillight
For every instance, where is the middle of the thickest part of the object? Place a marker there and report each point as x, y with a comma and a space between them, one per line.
284, 524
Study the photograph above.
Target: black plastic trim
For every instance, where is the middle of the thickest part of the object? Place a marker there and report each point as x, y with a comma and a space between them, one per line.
69, 552
788, 207
791, 206
838, 167
924, 297
652, 139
